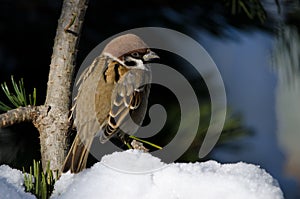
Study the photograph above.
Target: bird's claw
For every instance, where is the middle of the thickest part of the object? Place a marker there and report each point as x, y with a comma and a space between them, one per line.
139, 146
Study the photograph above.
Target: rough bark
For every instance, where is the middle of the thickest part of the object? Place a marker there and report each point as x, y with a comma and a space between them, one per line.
18, 115
53, 120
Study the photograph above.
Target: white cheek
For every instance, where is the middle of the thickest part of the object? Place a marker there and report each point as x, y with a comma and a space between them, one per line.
140, 65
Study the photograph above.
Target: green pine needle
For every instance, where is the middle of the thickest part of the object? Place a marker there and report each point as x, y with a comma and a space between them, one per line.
129, 146
38, 182
145, 142
18, 97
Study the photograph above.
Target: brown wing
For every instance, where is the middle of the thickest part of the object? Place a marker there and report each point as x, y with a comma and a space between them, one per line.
129, 102
86, 120
85, 117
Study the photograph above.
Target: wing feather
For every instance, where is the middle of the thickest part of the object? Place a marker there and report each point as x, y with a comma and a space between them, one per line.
129, 99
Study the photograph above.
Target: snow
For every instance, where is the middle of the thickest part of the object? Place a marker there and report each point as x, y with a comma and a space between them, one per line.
11, 184
134, 174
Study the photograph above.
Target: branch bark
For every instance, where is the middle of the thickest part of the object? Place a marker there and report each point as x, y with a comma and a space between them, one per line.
18, 115
52, 122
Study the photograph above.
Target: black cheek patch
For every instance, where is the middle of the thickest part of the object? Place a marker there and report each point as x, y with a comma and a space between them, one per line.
130, 63
117, 75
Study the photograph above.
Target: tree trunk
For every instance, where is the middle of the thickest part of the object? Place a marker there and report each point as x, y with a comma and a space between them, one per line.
53, 119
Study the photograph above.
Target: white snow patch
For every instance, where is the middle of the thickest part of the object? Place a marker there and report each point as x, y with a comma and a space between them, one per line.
132, 161
11, 184
133, 174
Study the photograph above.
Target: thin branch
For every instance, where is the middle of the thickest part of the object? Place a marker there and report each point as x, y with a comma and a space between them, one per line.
18, 115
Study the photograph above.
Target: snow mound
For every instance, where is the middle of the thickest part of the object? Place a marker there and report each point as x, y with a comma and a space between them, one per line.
132, 161
11, 184
133, 174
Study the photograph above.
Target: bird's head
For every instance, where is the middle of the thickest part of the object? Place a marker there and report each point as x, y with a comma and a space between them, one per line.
130, 51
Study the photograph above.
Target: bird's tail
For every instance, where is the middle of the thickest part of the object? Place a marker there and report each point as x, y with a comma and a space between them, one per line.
77, 157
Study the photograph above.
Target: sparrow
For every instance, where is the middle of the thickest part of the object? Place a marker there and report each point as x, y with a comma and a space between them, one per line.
111, 91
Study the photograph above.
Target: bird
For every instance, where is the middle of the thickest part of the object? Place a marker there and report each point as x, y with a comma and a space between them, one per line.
111, 91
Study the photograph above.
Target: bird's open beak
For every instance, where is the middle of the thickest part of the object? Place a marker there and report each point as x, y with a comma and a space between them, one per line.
150, 56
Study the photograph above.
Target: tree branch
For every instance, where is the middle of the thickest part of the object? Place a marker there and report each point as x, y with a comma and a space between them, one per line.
53, 123
18, 115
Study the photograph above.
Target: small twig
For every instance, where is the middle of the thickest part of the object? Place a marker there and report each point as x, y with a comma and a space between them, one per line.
18, 115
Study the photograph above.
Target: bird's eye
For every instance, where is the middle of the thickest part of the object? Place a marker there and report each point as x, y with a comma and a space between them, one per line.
135, 54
